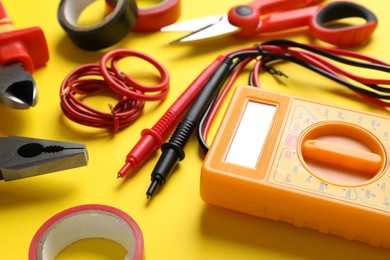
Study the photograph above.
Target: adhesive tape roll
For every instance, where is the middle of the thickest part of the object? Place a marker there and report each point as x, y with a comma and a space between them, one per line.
115, 26
83, 222
153, 18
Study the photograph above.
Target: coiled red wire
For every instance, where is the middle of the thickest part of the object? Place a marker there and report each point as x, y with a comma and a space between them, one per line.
132, 95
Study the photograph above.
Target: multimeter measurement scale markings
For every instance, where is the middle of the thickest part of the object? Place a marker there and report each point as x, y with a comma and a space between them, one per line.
289, 171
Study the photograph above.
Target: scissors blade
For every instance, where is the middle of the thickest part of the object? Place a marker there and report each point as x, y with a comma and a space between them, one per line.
219, 29
192, 25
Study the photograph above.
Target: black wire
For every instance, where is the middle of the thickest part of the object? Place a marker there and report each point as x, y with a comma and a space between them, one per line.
328, 75
287, 57
379, 67
268, 56
239, 56
351, 62
199, 131
243, 54
266, 61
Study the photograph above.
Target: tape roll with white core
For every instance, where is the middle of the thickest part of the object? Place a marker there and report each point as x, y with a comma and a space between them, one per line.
114, 27
85, 222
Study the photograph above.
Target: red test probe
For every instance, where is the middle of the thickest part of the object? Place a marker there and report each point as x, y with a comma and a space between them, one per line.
21, 51
152, 139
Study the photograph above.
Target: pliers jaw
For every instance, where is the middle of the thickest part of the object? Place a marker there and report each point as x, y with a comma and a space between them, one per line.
17, 87
22, 157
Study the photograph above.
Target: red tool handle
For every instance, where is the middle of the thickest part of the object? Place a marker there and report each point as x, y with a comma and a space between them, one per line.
315, 17
5, 21
346, 35
27, 46
247, 17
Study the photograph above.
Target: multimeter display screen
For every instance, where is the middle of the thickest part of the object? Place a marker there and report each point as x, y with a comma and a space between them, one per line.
251, 134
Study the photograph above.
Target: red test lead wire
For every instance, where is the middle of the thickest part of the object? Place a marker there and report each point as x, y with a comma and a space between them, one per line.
152, 139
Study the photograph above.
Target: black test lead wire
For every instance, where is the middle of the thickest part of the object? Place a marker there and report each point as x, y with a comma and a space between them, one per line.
240, 61
268, 56
172, 151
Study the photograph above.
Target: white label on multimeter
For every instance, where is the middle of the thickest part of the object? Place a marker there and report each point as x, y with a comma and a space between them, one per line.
251, 133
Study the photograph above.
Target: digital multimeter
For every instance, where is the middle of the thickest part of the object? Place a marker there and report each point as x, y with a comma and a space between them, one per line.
312, 164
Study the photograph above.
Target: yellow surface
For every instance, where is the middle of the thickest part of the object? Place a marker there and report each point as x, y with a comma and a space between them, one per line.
176, 224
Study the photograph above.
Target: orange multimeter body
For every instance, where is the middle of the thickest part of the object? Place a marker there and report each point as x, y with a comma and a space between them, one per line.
312, 164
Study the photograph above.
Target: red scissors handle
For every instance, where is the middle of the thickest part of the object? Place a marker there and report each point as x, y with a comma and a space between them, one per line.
247, 17
316, 17
347, 35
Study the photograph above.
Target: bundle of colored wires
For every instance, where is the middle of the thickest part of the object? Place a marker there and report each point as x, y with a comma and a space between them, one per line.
315, 58
90, 78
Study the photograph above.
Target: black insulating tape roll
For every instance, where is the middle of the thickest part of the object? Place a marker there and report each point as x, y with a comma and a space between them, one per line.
115, 26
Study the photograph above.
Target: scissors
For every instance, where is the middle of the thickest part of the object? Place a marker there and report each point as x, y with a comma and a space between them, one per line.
249, 20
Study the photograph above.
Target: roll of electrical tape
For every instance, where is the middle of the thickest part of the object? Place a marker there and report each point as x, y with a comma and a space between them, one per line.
151, 19
116, 25
83, 222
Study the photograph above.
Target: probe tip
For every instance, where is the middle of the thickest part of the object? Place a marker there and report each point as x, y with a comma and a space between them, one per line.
125, 169
152, 188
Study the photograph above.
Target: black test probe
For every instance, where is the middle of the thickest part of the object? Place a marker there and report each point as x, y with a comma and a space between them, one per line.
172, 151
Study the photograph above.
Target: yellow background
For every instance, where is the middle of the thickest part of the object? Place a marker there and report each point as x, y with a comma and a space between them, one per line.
176, 223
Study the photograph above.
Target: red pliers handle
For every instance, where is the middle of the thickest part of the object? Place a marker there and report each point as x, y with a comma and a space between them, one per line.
27, 46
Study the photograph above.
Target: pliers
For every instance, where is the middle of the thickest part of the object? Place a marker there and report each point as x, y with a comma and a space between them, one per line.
22, 157
21, 52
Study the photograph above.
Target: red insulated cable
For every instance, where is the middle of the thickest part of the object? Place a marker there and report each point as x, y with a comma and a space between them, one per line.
134, 89
90, 78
